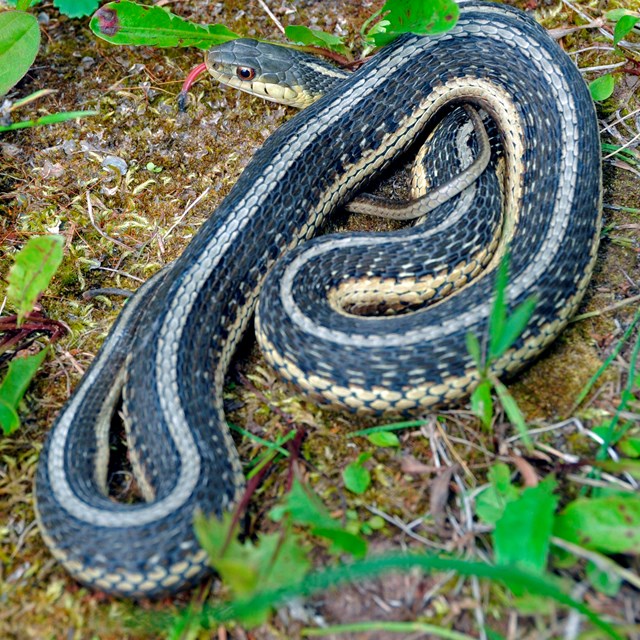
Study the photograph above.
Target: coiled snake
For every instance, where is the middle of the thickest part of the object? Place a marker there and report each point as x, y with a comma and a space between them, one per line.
166, 356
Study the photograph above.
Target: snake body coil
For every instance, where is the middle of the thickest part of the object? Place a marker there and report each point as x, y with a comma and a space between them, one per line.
167, 354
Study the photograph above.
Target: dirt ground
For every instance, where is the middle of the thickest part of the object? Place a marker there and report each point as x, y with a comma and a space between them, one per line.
142, 218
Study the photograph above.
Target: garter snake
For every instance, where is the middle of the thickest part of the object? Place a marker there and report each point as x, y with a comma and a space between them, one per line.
163, 364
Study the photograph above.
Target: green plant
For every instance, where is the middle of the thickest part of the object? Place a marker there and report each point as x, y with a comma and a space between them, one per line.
19, 44
276, 559
356, 476
527, 525
624, 22
133, 24
33, 268
71, 8
503, 330
253, 608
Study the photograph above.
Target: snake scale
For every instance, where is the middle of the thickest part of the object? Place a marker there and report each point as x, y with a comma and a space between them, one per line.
164, 362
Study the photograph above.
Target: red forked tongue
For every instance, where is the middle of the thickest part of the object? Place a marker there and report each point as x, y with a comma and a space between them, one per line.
191, 78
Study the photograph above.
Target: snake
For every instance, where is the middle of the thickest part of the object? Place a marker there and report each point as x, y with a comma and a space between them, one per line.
319, 316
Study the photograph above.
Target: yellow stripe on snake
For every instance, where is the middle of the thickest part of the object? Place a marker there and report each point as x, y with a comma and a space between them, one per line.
164, 362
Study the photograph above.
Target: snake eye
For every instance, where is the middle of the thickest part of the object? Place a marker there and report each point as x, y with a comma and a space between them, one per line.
246, 73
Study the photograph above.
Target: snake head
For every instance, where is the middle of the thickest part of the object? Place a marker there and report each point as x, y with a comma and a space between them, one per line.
272, 72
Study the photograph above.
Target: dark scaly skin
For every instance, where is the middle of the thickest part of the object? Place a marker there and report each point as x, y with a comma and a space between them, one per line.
176, 337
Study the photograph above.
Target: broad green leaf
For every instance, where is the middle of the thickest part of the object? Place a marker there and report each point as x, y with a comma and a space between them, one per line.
623, 27
19, 43
303, 35
514, 325
9, 418
304, 507
605, 582
602, 88
14, 386
76, 8
609, 435
522, 535
32, 270
630, 447
52, 118
610, 524
356, 477
416, 16
482, 403
384, 439
491, 502
130, 23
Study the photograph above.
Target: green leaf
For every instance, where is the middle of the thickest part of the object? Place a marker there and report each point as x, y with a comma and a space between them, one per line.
303, 35
356, 477
630, 447
394, 426
416, 16
490, 504
514, 325
605, 582
304, 507
76, 8
32, 270
130, 23
474, 349
332, 577
9, 419
275, 561
615, 14
384, 439
184, 624
523, 533
52, 118
623, 27
609, 435
19, 43
610, 524
498, 315
602, 88
14, 386
482, 403
513, 412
